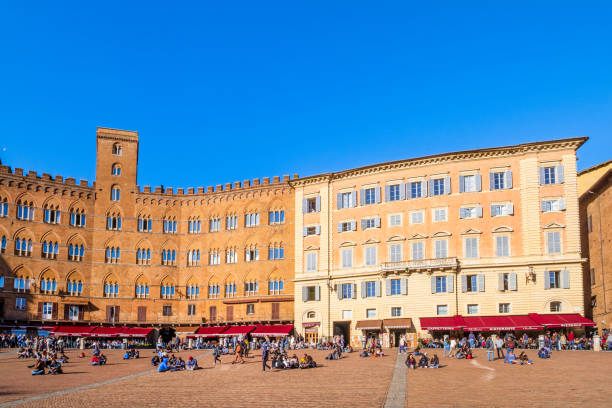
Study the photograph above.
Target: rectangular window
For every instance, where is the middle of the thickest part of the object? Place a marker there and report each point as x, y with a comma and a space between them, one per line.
469, 183
418, 251
312, 230
73, 312
215, 224
554, 279
347, 258
167, 310
472, 309
498, 180
371, 313
346, 200
472, 283
438, 187
47, 311
553, 205
549, 175
394, 192
395, 253
504, 308
441, 247
442, 310
250, 309
502, 245
191, 310
347, 290
396, 311
251, 220
396, 287
395, 220
369, 223
470, 212
231, 222
311, 293
370, 289
416, 189
370, 256
20, 303
439, 214
417, 217
346, 226
311, 205
592, 276
311, 261
276, 217
554, 242
347, 314
440, 284
470, 247
370, 196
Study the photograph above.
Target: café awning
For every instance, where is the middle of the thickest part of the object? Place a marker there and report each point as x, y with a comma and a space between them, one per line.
238, 330
107, 332
368, 325
210, 331
399, 323
500, 323
274, 330
73, 331
135, 332
562, 320
442, 323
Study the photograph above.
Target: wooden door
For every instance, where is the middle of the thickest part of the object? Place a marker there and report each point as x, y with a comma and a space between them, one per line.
213, 313
275, 311
230, 314
142, 313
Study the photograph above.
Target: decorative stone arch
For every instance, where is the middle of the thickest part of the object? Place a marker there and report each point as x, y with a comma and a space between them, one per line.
553, 225
5, 195
347, 244
143, 243
25, 197
74, 275
50, 235
396, 238
51, 202
503, 228
566, 305
417, 236
471, 231
441, 234
76, 204
115, 210
310, 314
24, 233
370, 241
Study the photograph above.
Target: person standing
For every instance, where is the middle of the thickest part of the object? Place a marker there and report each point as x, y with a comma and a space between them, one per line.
499, 346
216, 354
238, 354
490, 347
265, 349
453, 346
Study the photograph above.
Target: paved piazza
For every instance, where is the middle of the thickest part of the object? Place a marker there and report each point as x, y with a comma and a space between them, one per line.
568, 379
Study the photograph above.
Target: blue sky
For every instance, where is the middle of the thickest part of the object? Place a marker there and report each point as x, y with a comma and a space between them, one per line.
223, 93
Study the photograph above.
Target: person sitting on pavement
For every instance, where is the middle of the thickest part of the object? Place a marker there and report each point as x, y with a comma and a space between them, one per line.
126, 356
424, 361
55, 367
163, 366
543, 353
102, 359
192, 364
510, 357
95, 360
39, 367
411, 361
434, 362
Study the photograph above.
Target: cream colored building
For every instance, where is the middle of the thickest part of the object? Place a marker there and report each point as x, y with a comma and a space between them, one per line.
488, 232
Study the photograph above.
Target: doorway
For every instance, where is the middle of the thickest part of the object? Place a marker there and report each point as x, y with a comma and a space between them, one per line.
343, 329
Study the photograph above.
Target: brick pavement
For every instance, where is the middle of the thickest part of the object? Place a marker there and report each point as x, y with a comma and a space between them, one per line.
350, 381
569, 378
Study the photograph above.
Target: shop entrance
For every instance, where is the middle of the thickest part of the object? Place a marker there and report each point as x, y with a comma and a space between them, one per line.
394, 336
343, 329
311, 335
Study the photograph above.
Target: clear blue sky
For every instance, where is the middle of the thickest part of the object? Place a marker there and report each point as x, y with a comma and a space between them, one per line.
252, 89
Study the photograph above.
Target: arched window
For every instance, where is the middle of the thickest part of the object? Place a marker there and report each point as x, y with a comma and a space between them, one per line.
276, 251
251, 287
77, 217
117, 149
251, 253
310, 315
214, 257
231, 255
49, 250
25, 210
52, 214
113, 221
22, 283
143, 256
115, 193
76, 251
112, 255
194, 225
48, 284
193, 257
116, 170
170, 226
142, 288
167, 289
213, 290
193, 289
3, 244
23, 247
555, 306
74, 286
230, 289
168, 257
3, 207
111, 287
144, 223
275, 286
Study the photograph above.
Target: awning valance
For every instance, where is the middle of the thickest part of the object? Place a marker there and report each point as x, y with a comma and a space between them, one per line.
368, 325
562, 320
210, 331
107, 332
399, 323
500, 323
442, 323
274, 330
238, 330
73, 331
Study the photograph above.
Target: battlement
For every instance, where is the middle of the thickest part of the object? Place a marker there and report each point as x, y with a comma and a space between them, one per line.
219, 188
46, 177
117, 134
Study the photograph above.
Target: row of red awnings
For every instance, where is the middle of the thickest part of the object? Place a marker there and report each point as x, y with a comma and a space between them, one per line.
90, 331
532, 321
259, 330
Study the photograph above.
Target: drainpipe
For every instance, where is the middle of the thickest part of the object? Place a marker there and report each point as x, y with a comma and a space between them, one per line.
601, 250
329, 257
457, 289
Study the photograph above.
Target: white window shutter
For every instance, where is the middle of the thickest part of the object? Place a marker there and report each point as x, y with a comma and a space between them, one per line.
478, 182
318, 203
304, 231
377, 222
339, 227
508, 179
353, 199
387, 193
404, 286
433, 284
377, 194
431, 189
512, 281
388, 287
461, 184
481, 282
560, 176
304, 293
339, 291
363, 290
353, 225
424, 189
317, 293
450, 283
509, 208
463, 283
363, 222
479, 211
318, 229
404, 191
562, 204
565, 279
500, 281
338, 201
447, 185
491, 181
377, 288
361, 197
461, 212
546, 280
541, 175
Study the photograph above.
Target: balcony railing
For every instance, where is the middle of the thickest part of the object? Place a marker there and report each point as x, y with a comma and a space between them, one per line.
436, 263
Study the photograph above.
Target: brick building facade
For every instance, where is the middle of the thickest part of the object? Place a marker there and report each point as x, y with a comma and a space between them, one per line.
114, 252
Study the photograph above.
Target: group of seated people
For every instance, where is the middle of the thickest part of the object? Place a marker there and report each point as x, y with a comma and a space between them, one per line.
98, 359
544, 353
131, 353
522, 358
372, 351
281, 360
173, 363
54, 366
464, 352
424, 361
336, 353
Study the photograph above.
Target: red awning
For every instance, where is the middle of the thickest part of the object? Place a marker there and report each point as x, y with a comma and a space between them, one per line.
74, 331
274, 330
107, 331
237, 330
500, 323
211, 331
442, 323
135, 332
562, 320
